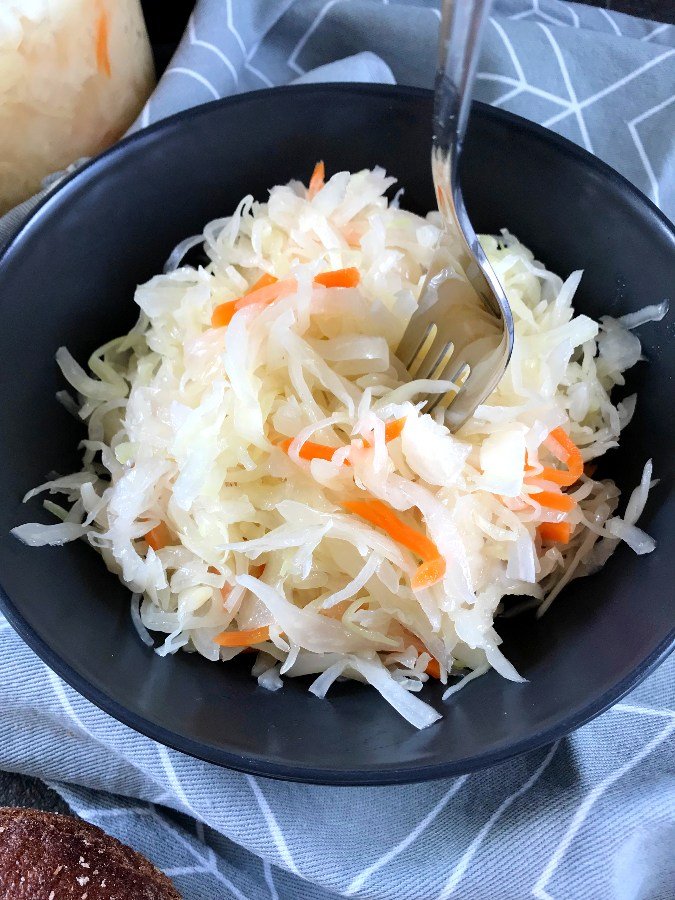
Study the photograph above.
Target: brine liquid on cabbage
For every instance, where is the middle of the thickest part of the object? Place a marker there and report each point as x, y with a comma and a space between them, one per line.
260, 473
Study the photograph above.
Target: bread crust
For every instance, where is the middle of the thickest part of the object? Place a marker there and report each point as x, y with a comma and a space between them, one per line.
46, 856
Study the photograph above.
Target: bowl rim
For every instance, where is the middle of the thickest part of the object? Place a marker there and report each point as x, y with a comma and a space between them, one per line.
259, 764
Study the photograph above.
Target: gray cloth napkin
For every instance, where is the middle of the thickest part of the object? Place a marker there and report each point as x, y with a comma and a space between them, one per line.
592, 816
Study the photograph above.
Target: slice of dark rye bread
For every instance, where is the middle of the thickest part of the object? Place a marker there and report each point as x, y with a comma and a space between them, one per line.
46, 856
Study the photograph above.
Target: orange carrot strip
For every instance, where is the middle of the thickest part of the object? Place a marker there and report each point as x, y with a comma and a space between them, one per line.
428, 573
243, 638
264, 280
158, 537
564, 449
557, 476
317, 180
433, 668
268, 289
379, 514
560, 445
223, 313
268, 293
558, 532
102, 54
553, 500
339, 278
310, 450
393, 429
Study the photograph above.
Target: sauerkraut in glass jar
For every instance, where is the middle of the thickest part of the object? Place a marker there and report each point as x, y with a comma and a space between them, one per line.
74, 74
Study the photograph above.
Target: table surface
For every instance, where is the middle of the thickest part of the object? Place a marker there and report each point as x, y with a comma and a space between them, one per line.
165, 29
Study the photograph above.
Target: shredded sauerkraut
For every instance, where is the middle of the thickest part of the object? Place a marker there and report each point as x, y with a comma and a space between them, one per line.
202, 487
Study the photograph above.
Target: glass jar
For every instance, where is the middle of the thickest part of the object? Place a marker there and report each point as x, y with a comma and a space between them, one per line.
74, 74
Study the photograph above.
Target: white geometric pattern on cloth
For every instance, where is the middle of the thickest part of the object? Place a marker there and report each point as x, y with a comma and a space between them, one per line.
275, 831
357, 883
584, 809
292, 59
196, 42
191, 73
463, 864
552, 824
574, 106
632, 127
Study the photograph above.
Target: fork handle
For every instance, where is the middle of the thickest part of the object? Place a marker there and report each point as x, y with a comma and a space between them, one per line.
462, 23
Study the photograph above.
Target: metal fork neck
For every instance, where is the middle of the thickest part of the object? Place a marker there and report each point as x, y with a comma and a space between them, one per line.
462, 22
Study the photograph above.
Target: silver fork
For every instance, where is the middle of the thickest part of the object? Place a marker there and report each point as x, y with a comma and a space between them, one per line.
462, 330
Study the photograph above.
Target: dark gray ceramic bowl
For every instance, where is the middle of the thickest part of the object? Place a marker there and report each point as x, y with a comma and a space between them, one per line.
69, 277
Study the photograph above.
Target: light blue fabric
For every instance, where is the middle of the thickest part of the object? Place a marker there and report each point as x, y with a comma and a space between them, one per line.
590, 817
602, 79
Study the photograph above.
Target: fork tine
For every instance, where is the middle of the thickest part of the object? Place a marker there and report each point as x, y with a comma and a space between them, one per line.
443, 361
459, 375
433, 356
418, 355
